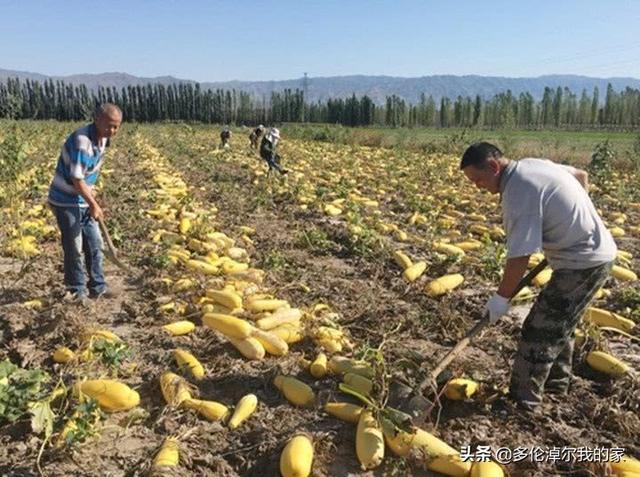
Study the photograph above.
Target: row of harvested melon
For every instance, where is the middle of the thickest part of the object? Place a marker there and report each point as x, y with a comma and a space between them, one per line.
231, 328
270, 325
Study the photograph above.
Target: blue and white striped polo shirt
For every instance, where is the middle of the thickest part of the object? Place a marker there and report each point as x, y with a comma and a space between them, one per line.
81, 157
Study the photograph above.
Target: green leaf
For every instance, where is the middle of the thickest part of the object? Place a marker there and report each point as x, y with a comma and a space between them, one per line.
7, 368
399, 419
20, 388
388, 427
345, 388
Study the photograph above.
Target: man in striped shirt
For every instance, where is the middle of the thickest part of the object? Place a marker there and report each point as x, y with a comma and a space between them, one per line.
73, 202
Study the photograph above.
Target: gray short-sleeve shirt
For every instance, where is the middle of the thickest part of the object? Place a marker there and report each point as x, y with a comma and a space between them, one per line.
545, 208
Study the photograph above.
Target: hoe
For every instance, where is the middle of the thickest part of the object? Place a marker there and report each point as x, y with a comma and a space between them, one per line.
412, 400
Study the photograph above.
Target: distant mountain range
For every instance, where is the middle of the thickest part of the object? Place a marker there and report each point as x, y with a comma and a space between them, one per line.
376, 87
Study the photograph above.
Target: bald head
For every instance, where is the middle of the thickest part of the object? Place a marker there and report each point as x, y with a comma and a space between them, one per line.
108, 120
109, 109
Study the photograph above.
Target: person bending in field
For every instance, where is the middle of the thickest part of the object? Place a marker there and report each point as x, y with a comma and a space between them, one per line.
225, 138
268, 151
72, 199
546, 207
254, 136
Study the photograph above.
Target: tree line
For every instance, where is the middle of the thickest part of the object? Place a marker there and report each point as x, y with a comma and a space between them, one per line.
558, 108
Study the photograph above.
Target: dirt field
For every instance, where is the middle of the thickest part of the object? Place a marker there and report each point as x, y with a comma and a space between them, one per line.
387, 200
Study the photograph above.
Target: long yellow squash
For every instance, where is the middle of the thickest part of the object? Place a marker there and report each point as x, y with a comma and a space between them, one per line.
169, 454
183, 284
245, 407
617, 232
345, 411
211, 410
326, 332
228, 325
63, 355
297, 457
448, 249
459, 389
174, 389
444, 284
369, 441
476, 217
605, 363
112, 396
600, 317
402, 442
330, 345
469, 245
186, 360
318, 368
623, 274
178, 328
542, 278
401, 259
280, 317
479, 229
69, 427
272, 343
535, 259
232, 267
414, 272
265, 305
486, 469
626, 464
202, 267
359, 383
343, 365
450, 465
295, 390
626, 473
250, 347
184, 225
290, 333
102, 334
227, 298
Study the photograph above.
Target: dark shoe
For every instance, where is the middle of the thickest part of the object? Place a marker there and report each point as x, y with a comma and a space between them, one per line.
108, 293
508, 404
530, 408
559, 387
557, 391
284, 171
76, 298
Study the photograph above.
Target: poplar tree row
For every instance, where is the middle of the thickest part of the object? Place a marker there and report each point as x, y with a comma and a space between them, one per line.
558, 107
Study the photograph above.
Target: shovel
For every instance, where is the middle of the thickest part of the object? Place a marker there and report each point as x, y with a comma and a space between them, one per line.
112, 254
418, 405
110, 251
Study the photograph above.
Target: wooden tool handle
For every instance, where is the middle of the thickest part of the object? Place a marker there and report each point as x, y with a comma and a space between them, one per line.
462, 344
111, 252
107, 237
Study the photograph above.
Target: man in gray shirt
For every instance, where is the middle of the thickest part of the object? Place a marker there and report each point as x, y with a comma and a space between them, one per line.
546, 208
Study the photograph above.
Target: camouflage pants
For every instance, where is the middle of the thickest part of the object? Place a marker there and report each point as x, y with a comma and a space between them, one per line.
545, 352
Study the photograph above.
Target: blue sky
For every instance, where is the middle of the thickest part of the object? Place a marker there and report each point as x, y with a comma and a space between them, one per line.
271, 40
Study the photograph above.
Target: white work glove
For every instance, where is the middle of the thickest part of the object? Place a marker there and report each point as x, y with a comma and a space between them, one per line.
497, 306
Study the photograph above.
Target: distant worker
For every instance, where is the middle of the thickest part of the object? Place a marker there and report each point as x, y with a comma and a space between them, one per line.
268, 150
255, 135
225, 138
72, 199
